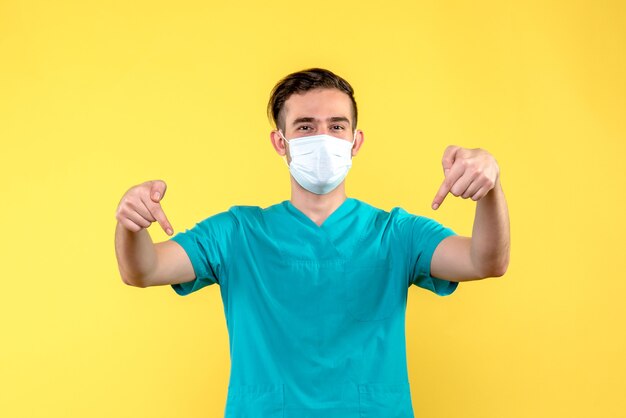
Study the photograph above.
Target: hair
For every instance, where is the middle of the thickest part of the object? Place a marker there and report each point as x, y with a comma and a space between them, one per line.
301, 82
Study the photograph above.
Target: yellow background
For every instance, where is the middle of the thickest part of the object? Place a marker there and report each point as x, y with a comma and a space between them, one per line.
97, 96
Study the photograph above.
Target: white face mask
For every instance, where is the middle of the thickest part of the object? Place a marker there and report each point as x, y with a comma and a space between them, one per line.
319, 163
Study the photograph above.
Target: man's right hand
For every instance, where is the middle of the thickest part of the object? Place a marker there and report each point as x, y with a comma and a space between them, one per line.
141, 205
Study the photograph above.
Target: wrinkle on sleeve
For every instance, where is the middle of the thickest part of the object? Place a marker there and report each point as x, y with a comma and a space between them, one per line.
421, 237
208, 246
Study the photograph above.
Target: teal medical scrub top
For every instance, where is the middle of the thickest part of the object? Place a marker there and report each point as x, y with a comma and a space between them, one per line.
315, 314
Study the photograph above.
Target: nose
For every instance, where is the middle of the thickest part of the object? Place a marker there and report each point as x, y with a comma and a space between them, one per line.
323, 130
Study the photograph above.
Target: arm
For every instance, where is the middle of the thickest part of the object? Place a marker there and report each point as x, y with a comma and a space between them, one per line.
475, 174
142, 263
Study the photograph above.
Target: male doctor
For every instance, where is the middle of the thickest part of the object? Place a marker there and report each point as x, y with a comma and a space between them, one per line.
314, 288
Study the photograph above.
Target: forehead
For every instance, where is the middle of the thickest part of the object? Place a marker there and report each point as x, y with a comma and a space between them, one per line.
319, 104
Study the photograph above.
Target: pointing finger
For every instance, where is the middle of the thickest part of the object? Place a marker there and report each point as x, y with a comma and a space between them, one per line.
443, 191
452, 175
159, 215
157, 212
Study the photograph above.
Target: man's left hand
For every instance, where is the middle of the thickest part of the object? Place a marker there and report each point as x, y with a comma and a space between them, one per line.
469, 173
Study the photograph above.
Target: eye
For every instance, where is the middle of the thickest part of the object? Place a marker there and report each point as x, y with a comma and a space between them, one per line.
304, 128
338, 127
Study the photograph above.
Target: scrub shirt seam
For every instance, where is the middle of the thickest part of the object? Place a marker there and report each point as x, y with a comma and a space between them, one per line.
363, 234
229, 246
185, 241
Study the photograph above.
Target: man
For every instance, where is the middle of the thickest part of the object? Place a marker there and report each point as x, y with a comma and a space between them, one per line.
314, 288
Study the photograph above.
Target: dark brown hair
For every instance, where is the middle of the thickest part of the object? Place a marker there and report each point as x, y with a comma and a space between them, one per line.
301, 82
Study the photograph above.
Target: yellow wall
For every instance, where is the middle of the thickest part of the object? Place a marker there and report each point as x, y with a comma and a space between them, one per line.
98, 96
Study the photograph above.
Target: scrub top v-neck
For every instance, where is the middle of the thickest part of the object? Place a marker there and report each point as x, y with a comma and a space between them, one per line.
315, 314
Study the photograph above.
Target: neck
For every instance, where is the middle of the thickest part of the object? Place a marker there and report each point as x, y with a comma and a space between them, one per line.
317, 207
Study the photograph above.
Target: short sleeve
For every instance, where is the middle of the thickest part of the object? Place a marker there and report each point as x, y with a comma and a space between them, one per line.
423, 235
208, 246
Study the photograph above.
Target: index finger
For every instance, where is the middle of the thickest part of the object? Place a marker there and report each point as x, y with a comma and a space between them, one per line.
443, 191
452, 175
157, 212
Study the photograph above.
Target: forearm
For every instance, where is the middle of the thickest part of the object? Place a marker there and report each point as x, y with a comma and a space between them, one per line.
491, 241
136, 255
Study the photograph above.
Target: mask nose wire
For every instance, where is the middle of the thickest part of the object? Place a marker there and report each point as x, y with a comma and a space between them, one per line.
287, 142
352, 142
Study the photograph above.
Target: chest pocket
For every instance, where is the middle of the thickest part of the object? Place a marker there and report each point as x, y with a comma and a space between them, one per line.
372, 291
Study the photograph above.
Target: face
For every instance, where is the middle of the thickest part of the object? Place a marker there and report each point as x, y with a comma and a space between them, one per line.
317, 112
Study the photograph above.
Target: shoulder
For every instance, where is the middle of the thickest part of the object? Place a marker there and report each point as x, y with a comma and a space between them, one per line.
363, 208
395, 222
249, 213
240, 215
244, 211
395, 216
401, 223
247, 216
402, 217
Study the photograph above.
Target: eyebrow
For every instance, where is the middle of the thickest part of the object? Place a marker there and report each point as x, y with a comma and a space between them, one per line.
332, 119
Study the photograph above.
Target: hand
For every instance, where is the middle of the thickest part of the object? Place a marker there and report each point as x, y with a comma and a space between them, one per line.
468, 173
140, 206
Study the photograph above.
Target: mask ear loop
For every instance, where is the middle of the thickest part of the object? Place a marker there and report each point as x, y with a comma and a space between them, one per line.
286, 142
352, 143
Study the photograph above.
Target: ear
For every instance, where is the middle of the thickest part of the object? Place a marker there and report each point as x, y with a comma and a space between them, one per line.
358, 141
278, 143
